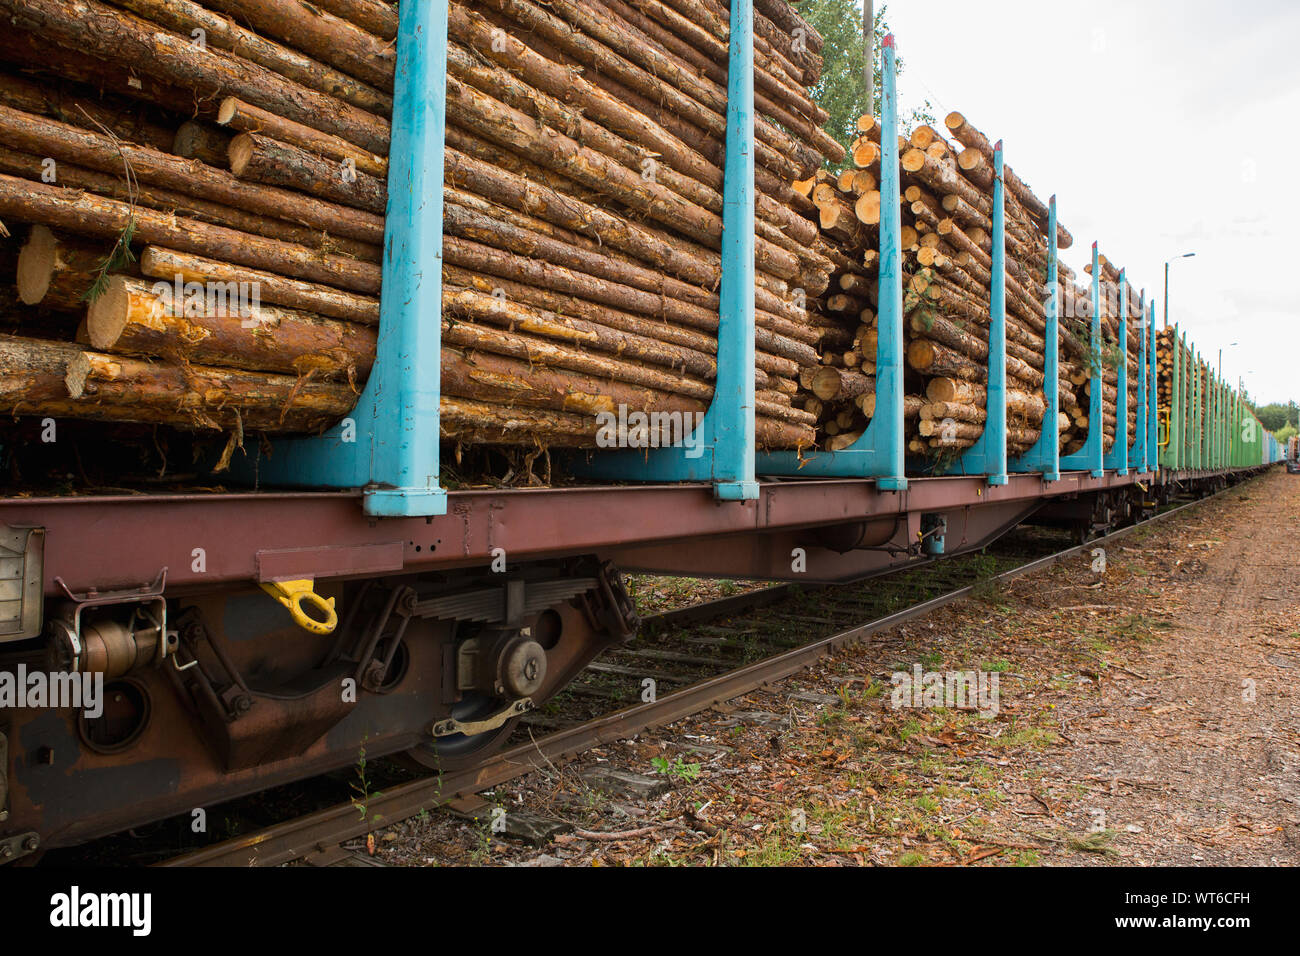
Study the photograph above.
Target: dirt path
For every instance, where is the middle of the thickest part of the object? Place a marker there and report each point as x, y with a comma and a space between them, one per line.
1202, 754
1147, 715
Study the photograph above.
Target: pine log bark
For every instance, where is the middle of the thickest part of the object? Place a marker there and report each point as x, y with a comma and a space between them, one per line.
165, 200
159, 262
184, 17
265, 160
132, 317
96, 29
247, 118
196, 140
57, 270
319, 34
61, 141
373, 16
474, 306
610, 69
562, 84
92, 110
125, 389
552, 149
107, 218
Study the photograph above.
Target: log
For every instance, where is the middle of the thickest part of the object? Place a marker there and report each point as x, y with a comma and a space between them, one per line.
124, 389
247, 118
184, 17
321, 35
374, 16
57, 270
96, 29
830, 384
44, 137
195, 140
265, 160
172, 265
139, 317
93, 110
107, 218
169, 201
939, 411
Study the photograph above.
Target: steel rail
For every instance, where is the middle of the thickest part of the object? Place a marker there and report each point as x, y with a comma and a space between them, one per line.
319, 832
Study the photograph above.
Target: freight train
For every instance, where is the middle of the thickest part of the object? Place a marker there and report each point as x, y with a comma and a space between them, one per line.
162, 652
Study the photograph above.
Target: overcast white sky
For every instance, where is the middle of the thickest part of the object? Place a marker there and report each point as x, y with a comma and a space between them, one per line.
1163, 127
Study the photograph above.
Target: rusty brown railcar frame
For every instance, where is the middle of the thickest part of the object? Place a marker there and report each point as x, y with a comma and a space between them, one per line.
102, 542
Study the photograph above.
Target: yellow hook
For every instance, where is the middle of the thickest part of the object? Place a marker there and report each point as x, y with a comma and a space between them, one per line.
292, 594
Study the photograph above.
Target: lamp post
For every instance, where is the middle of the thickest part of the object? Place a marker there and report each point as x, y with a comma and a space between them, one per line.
1186, 255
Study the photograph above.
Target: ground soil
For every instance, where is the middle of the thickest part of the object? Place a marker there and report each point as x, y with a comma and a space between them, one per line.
1148, 714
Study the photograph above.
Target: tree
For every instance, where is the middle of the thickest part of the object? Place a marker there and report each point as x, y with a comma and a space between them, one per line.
1276, 415
842, 92
1286, 434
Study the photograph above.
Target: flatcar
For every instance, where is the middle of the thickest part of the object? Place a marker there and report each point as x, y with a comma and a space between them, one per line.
222, 642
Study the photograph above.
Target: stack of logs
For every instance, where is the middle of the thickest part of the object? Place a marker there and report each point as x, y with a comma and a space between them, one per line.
947, 205
1113, 308
242, 146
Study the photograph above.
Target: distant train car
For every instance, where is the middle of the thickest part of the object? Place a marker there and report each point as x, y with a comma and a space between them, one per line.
1293, 456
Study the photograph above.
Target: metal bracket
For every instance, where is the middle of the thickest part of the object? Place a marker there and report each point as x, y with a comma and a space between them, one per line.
18, 846
934, 531
22, 569
470, 728
148, 598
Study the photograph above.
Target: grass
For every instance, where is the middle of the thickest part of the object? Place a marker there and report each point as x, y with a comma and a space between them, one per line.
1036, 738
1098, 842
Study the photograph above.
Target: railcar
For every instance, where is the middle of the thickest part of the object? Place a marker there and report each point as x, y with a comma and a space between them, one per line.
344, 600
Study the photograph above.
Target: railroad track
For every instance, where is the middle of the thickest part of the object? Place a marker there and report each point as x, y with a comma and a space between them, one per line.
318, 837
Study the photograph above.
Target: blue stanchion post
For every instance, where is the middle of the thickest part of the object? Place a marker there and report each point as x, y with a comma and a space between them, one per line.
1045, 456
724, 449
734, 439
389, 445
879, 453
1090, 457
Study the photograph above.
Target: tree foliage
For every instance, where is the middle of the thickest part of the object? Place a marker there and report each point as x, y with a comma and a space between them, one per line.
1277, 415
842, 91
